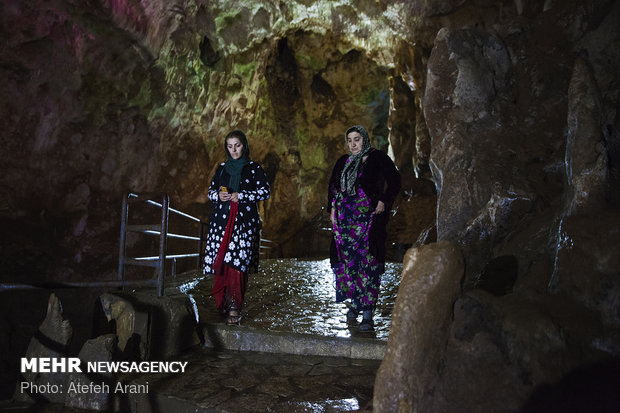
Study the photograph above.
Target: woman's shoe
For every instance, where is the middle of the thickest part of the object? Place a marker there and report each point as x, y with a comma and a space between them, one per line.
367, 324
351, 317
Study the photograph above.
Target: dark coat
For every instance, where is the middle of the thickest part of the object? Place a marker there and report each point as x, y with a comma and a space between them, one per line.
380, 181
242, 253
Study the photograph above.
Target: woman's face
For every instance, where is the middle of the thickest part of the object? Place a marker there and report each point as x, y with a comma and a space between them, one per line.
354, 142
235, 147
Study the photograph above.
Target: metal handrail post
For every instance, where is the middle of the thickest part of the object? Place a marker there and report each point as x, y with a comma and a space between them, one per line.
162, 230
159, 262
201, 234
121, 252
163, 237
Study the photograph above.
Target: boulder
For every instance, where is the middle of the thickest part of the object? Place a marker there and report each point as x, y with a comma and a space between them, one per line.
422, 314
50, 341
98, 349
149, 327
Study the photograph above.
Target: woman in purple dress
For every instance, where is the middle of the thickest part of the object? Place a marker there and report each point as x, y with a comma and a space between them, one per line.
362, 189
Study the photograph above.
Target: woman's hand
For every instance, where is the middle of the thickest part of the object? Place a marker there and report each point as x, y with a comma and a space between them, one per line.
227, 196
380, 208
224, 196
332, 217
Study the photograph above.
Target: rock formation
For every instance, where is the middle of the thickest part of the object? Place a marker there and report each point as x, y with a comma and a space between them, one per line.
422, 314
523, 126
94, 350
50, 342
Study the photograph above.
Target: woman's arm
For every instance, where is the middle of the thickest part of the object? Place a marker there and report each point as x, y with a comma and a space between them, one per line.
215, 185
379, 172
393, 180
261, 189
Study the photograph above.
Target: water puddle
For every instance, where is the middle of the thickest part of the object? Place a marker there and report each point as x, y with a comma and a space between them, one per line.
342, 405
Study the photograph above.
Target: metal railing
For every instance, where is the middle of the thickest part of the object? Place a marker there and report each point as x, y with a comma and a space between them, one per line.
158, 261
161, 230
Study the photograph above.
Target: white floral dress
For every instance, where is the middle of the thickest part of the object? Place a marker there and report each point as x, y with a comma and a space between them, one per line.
242, 252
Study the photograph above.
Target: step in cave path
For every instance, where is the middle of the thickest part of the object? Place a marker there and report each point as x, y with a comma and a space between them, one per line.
263, 366
292, 352
256, 367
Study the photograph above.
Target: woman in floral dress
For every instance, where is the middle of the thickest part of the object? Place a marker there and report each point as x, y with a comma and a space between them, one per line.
235, 225
362, 189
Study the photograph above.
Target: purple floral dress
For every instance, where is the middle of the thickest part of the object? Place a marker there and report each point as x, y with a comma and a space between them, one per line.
357, 272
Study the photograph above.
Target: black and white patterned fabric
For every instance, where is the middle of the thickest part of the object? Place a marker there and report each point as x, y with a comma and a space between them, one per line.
242, 253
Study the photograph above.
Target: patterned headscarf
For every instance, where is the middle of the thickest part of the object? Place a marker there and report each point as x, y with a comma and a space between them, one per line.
351, 168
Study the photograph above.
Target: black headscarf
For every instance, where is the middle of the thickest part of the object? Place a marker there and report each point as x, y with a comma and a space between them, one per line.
351, 168
234, 166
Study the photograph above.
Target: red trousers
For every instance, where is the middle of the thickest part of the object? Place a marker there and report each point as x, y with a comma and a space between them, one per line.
229, 288
229, 285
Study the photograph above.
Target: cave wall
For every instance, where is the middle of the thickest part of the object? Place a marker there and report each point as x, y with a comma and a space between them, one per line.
521, 107
105, 97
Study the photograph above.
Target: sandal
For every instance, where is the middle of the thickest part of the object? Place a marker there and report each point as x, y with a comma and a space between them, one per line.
233, 317
351, 317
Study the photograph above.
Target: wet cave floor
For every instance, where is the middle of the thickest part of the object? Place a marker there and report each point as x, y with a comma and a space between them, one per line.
298, 296
286, 296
